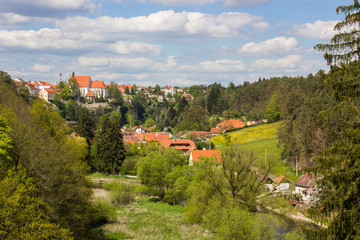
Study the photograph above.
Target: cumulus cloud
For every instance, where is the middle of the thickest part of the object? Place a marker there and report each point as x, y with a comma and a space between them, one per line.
275, 45
286, 63
169, 24
12, 19
121, 47
243, 3
42, 68
323, 30
227, 3
46, 8
222, 65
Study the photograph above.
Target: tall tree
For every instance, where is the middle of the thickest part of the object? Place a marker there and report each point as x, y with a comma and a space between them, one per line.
345, 45
339, 164
86, 127
110, 151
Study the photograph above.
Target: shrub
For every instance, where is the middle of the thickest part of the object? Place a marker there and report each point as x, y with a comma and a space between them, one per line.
120, 193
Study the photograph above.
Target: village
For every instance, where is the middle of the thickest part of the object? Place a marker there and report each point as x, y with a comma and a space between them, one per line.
302, 192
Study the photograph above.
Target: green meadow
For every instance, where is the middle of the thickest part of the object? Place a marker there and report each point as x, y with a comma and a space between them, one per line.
256, 139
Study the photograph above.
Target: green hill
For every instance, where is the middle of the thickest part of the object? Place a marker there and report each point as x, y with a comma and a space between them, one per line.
255, 139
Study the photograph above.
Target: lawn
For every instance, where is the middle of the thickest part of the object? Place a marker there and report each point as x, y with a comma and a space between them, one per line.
256, 139
148, 218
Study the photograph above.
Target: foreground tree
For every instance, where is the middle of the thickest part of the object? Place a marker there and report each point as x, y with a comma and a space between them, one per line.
345, 46
339, 164
22, 214
109, 148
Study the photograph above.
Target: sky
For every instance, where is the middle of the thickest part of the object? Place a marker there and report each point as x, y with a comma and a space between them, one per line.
166, 42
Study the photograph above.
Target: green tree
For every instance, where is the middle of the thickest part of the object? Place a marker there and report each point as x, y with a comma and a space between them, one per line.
115, 95
110, 151
85, 127
344, 46
155, 170
22, 214
339, 163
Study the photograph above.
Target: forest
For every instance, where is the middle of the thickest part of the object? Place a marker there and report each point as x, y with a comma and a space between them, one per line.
44, 192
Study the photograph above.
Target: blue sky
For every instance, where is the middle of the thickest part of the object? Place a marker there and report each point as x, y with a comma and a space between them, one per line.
173, 42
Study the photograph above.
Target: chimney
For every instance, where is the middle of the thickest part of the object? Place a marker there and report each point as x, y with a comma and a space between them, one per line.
73, 74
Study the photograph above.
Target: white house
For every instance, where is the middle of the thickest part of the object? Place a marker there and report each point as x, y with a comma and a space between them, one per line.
306, 186
98, 88
139, 129
47, 94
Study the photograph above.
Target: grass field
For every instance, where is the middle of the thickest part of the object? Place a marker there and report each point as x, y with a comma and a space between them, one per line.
255, 139
148, 218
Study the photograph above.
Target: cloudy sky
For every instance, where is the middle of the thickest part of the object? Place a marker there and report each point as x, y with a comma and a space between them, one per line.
174, 42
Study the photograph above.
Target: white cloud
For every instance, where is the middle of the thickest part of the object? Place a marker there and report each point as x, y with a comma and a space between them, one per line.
121, 47
243, 3
46, 8
227, 3
168, 24
223, 65
275, 45
287, 63
42, 68
12, 19
93, 62
323, 30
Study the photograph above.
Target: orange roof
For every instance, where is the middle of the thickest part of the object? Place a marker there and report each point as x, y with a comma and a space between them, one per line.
183, 143
196, 154
152, 137
82, 81
231, 123
279, 179
90, 94
97, 84
215, 131
44, 83
49, 90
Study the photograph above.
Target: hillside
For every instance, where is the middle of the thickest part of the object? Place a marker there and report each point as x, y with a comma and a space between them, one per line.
255, 139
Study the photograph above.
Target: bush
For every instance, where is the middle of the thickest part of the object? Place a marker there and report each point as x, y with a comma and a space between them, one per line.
128, 166
120, 193
107, 212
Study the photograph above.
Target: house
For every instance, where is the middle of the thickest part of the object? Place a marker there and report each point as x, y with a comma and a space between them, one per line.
183, 144
268, 181
47, 94
90, 96
98, 89
84, 83
196, 155
195, 135
188, 96
169, 90
306, 186
32, 89
140, 129
230, 124
215, 132
282, 183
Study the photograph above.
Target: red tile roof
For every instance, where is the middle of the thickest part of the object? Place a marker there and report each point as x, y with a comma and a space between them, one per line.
227, 124
183, 143
97, 84
90, 94
197, 154
215, 131
49, 90
82, 81
281, 177
307, 180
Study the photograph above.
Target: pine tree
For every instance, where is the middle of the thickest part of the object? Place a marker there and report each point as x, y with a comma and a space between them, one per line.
110, 151
85, 127
339, 164
345, 45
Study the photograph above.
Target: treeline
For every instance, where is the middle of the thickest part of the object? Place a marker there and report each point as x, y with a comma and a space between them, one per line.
43, 190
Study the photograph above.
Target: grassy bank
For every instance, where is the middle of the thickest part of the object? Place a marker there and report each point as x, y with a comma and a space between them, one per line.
255, 139
146, 218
